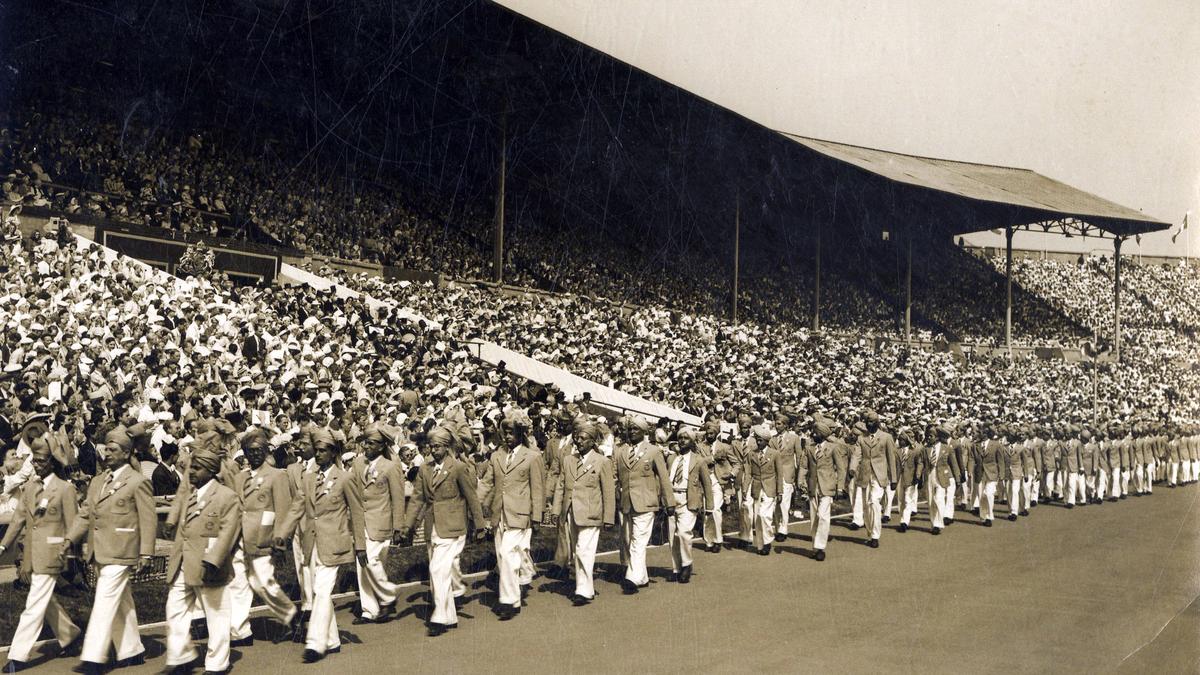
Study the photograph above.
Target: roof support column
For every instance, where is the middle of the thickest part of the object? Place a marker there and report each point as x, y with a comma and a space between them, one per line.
908, 292
816, 308
1008, 237
1117, 297
498, 224
737, 239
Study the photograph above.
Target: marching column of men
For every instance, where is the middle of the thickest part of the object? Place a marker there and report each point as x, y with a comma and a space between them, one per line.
228, 524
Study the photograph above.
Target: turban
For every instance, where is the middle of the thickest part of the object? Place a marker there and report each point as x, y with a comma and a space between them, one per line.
821, 427
944, 430
761, 431
138, 430
907, 435
321, 436
584, 428
860, 428
871, 417
255, 438
744, 419
639, 423
713, 424
517, 418
119, 438
1085, 434
374, 434
206, 459
441, 436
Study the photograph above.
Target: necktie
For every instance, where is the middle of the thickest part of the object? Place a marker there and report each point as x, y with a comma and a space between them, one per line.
248, 487
678, 472
193, 500
936, 452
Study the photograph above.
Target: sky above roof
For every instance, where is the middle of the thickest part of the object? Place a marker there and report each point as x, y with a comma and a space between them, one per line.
1101, 95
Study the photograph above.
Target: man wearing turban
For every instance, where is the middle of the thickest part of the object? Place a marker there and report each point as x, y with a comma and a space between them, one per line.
515, 497
824, 473
716, 454
692, 494
988, 463
330, 509
120, 524
939, 464
265, 498
874, 468
45, 510
201, 564
584, 501
443, 493
381, 482
645, 489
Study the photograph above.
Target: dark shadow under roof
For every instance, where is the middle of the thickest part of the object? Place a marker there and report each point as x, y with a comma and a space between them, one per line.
996, 184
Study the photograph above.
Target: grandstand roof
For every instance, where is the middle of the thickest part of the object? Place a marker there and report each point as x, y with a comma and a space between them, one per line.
1038, 199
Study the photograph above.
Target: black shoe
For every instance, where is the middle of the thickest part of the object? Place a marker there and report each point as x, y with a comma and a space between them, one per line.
216, 672
89, 668
507, 612
780, 537
1124, 496
360, 620
1112, 499
685, 574
887, 519
975, 512
1033, 505
947, 522
820, 555
937, 530
1024, 514
1070, 506
903, 527
312, 656
186, 668
874, 543
987, 523
765, 550
853, 526
244, 642
436, 629
138, 660
15, 666
580, 601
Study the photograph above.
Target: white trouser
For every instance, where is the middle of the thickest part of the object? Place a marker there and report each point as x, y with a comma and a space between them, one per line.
240, 597
1027, 491
937, 505
215, 602
987, 499
1125, 477
1035, 488
637, 528
374, 589
113, 620
1139, 478
1116, 482
872, 513
966, 493
1173, 473
908, 503
1151, 470
261, 574
1195, 468
584, 538
527, 568
764, 514
976, 493
322, 625
783, 512
1089, 483
948, 509
712, 519
442, 555
1013, 487
41, 607
856, 503
818, 512
508, 542
303, 574
1101, 484
1075, 485
746, 503
889, 500
1050, 484
679, 530
1188, 467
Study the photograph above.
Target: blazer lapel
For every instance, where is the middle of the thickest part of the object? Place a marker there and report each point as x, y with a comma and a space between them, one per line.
512, 461
438, 477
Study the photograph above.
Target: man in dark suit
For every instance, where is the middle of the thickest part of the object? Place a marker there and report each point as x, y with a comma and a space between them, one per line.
166, 477
252, 346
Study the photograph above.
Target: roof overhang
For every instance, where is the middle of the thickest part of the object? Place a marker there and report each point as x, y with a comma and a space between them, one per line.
1000, 196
